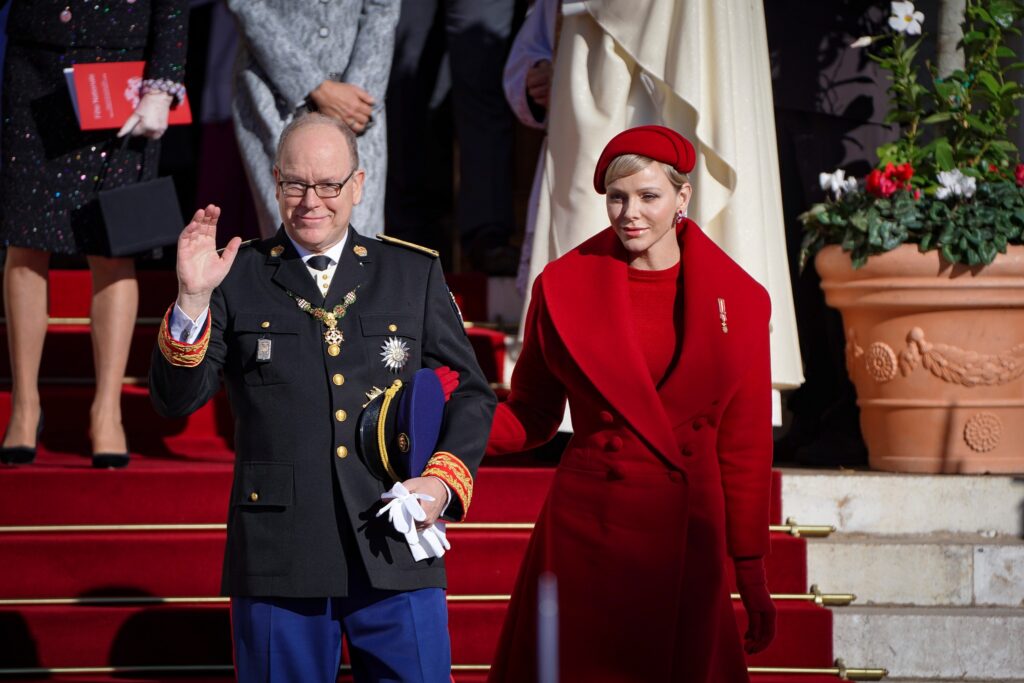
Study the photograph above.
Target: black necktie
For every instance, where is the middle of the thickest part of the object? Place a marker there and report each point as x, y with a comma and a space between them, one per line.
318, 262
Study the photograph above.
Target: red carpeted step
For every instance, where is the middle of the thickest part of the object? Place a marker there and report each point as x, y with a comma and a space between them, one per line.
67, 352
66, 424
459, 677
63, 489
188, 563
61, 636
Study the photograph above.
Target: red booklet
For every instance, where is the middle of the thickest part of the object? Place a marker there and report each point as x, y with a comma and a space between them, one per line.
106, 93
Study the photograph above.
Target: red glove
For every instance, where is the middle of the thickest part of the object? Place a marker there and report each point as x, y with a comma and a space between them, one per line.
449, 380
753, 587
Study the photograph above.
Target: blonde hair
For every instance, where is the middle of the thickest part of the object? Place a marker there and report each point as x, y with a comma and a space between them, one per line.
628, 164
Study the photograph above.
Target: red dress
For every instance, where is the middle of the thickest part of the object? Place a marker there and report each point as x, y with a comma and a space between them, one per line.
658, 484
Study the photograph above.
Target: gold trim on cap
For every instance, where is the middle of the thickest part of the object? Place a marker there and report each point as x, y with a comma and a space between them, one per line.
382, 445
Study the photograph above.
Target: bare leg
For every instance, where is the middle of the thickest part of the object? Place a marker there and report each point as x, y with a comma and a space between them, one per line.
115, 303
25, 303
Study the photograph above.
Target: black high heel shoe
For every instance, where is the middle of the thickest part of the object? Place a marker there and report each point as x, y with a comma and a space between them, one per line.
22, 455
109, 460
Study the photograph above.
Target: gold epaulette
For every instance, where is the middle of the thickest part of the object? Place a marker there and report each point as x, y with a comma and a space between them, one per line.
408, 245
455, 474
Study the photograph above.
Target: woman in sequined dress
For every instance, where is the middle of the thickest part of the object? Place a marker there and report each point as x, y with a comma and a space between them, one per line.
49, 181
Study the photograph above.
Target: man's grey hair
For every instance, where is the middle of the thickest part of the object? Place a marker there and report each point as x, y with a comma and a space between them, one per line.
314, 118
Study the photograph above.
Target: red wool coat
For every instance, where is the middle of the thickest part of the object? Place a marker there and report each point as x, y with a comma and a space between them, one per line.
657, 486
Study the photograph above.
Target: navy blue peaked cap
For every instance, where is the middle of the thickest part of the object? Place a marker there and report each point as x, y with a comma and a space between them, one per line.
399, 428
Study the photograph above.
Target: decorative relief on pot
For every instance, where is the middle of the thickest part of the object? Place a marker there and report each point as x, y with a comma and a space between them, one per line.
983, 431
853, 350
958, 366
881, 362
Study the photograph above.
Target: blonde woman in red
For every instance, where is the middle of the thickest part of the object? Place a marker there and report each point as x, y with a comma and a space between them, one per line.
659, 342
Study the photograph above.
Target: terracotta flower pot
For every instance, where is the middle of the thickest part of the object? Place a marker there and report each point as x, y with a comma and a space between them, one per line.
936, 352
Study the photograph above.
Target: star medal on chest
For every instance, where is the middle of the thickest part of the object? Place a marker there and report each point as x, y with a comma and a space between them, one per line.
394, 353
329, 318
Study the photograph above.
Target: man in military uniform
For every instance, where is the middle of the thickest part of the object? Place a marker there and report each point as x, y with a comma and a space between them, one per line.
302, 326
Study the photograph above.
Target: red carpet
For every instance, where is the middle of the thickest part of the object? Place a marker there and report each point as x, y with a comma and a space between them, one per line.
180, 474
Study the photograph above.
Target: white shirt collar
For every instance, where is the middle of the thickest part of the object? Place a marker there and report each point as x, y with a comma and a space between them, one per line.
334, 253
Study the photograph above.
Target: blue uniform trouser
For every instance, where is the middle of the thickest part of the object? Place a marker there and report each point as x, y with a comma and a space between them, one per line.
392, 636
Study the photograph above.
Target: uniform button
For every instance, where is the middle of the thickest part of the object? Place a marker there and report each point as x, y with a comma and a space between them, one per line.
65, 16
265, 324
323, 31
674, 476
340, 415
338, 379
606, 417
614, 443
697, 425
254, 496
392, 328
342, 452
687, 451
711, 421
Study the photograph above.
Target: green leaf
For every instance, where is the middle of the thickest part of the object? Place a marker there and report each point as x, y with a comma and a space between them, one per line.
1005, 53
989, 81
978, 124
947, 253
943, 154
938, 117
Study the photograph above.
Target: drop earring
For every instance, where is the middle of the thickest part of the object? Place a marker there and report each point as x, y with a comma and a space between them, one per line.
680, 215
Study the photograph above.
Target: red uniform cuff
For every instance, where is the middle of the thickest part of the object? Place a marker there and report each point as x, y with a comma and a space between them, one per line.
179, 353
455, 474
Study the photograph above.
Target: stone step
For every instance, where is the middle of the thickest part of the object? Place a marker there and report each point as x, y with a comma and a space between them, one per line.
890, 503
932, 679
958, 570
934, 643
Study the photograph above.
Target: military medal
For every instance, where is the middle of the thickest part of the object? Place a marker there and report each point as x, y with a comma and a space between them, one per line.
263, 350
359, 250
330, 319
394, 353
722, 316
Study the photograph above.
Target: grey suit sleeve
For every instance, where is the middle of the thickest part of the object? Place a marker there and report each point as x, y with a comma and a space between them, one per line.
370, 64
291, 67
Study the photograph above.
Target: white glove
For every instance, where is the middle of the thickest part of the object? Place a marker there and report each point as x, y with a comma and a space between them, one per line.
150, 117
403, 512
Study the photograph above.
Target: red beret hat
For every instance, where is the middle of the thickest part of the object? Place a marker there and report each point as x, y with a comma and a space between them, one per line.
656, 142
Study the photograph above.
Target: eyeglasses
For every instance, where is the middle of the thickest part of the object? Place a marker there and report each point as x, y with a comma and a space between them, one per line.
297, 188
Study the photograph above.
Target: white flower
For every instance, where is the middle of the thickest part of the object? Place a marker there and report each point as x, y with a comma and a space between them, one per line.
956, 184
905, 19
863, 41
837, 183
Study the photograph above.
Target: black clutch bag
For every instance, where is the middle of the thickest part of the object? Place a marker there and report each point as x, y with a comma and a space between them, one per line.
141, 216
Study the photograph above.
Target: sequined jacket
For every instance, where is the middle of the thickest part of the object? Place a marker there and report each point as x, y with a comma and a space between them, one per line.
159, 28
